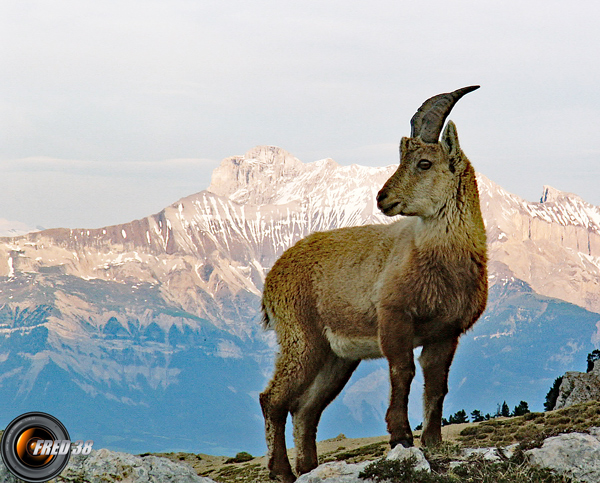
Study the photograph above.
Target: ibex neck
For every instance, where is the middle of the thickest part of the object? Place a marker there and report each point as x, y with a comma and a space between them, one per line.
458, 223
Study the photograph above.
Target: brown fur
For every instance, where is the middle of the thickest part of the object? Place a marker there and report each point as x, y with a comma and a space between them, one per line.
340, 296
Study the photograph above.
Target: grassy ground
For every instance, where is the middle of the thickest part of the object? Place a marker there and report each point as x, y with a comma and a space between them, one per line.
226, 470
528, 430
532, 427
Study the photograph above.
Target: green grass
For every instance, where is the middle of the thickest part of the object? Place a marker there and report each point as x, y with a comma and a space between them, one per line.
248, 473
368, 452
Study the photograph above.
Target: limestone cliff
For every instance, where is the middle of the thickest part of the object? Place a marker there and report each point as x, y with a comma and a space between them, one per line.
579, 387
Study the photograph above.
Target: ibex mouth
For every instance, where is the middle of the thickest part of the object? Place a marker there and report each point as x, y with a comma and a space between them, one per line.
390, 210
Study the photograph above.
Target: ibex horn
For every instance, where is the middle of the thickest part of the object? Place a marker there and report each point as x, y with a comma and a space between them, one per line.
428, 121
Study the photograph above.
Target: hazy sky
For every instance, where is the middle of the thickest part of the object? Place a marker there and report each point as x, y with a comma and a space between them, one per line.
112, 110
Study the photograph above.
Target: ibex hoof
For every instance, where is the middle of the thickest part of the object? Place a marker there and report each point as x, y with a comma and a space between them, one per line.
287, 478
407, 443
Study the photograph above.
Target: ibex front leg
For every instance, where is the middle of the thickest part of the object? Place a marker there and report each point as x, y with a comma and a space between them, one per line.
435, 360
396, 338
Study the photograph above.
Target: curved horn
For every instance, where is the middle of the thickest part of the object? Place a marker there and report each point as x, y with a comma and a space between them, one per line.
428, 121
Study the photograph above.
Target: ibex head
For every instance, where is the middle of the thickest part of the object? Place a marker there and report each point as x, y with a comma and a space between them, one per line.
428, 169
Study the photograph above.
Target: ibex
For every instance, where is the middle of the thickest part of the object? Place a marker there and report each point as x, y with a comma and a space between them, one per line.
372, 291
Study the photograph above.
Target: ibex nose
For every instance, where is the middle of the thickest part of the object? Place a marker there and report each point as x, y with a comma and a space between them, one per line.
381, 196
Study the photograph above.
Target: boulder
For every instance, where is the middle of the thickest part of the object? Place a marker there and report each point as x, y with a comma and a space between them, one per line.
574, 454
335, 472
104, 466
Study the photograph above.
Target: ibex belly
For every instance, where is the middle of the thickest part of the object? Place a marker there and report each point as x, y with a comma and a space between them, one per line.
353, 347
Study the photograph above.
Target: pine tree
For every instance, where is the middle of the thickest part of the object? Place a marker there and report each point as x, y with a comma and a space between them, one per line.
521, 409
459, 417
591, 358
505, 411
552, 395
476, 416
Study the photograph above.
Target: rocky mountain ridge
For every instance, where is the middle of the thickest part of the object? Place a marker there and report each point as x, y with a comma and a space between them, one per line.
261, 203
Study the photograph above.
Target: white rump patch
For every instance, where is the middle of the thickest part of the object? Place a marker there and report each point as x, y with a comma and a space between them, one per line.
353, 347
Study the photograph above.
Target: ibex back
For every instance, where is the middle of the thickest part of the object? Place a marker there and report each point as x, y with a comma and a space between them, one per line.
340, 296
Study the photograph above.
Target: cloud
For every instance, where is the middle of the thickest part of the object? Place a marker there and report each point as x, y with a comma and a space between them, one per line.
138, 169
56, 192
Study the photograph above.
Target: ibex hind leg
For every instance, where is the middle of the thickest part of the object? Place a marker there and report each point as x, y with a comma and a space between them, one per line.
328, 383
296, 367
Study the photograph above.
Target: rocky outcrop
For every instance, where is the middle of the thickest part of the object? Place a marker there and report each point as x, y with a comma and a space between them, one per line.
579, 387
575, 454
265, 167
104, 466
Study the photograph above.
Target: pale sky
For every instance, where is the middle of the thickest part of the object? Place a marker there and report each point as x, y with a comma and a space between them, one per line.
112, 110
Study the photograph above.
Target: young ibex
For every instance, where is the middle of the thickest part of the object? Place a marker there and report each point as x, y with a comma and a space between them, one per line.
340, 296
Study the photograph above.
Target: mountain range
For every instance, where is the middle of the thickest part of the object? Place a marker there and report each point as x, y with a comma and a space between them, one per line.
146, 336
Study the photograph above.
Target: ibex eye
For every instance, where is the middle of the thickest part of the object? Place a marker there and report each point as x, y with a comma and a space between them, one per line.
424, 164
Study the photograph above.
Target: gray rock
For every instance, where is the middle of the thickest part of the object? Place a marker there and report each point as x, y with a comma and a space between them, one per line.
341, 472
5, 475
402, 453
104, 466
335, 472
488, 454
575, 454
595, 432
579, 387
491, 454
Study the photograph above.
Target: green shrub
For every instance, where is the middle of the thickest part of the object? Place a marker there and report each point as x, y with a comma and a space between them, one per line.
384, 470
241, 457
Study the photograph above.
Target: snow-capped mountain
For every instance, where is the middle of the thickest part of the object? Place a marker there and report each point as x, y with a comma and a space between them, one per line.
553, 245
165, 310
14, 228
261, 203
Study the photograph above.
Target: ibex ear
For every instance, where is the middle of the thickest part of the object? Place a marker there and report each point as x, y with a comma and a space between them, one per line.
450, 140
404, 144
